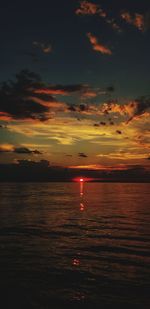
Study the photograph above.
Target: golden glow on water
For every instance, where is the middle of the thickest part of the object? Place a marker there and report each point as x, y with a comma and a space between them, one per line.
76, 262
82, 208
81, 188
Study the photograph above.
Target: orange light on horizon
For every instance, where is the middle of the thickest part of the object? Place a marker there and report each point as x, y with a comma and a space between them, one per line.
82, 179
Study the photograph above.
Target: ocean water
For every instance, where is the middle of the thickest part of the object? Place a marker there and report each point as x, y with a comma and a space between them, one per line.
67, 246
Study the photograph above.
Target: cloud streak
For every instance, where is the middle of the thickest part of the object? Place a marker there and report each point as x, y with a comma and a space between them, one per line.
97, 46
65, 90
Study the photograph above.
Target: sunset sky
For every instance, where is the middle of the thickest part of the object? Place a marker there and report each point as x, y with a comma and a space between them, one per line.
75, 83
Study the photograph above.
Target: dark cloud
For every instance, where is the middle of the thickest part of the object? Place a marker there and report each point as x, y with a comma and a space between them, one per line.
24, 150
110, 89
111, 122
27, 163
78, 108
72, 108
6, 148
83, 107
139, 107
82, 155
103, 123
29, 98
16, 98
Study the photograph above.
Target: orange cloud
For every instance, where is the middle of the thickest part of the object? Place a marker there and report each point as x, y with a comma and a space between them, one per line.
98, 46
124, 156
137, 20
88, 167
88, 8
51, 104
83, 90
51, 91
4, 116
100, 167
133, 109
90, 94
6, 148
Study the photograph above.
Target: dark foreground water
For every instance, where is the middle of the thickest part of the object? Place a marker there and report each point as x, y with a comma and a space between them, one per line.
60, 248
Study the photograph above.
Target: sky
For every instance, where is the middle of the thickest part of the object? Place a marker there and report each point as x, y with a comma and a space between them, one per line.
75, 83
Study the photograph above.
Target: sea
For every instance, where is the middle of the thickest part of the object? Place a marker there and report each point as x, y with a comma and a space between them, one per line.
73, 245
